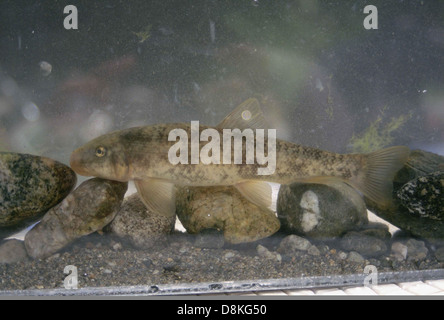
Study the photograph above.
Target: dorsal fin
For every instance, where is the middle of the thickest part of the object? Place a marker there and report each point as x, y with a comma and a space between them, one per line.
247, 115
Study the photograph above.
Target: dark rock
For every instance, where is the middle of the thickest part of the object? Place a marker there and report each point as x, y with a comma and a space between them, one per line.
424, 196
12, 251
365, 245
30, 186
224, 209
420, 164
411, 250
320, 210
87, 209
139, 225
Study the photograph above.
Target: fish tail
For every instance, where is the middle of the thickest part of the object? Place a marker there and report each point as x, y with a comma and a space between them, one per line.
380, 168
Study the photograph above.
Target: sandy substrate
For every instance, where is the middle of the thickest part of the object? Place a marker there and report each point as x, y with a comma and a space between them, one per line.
103, 261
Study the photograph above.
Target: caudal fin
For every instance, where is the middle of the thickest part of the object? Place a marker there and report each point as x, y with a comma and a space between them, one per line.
381, 166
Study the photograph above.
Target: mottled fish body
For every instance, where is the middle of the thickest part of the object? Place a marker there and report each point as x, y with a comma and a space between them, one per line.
141, 154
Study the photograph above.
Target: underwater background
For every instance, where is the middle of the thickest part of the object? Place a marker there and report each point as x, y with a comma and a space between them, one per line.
322, 78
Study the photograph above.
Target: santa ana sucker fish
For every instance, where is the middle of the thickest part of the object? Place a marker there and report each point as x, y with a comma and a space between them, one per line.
141, 154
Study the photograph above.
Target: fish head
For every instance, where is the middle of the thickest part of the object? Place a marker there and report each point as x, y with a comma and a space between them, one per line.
103, 157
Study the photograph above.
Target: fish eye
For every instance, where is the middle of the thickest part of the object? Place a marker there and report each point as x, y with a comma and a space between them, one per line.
100, 152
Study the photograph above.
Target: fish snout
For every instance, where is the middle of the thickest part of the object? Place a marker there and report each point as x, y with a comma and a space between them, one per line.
77, 164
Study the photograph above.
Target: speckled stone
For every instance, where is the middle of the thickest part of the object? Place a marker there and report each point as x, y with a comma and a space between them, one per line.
225, 209
424, 196
30, 186
405, 213
87, 209
320, 210
139, 225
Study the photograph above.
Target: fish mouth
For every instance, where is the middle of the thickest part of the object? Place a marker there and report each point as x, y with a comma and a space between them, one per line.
76, 164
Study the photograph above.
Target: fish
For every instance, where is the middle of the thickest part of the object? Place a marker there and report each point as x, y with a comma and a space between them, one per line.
141, 154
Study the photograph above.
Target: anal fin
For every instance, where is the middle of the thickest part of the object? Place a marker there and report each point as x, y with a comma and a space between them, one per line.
158, 195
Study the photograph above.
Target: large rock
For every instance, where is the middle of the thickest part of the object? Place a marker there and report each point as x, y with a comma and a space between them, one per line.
224, 209
87, 209
139, 225
320, 210
30, 186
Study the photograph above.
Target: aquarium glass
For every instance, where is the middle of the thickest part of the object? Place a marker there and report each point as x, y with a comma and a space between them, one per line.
344, 77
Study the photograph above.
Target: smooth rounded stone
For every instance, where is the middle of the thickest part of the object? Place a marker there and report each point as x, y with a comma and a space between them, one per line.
267, 254
439, 254
87, 209
12, 251
365, 245
30, 186
225, 209
355, 257
399, 251
419, 164
293, 243
416, 250
142, 227
424, 196
320, 210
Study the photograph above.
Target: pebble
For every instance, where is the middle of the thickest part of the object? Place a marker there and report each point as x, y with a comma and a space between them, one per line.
267, 254
87, 209
416, 250
439, 254
12, 251
229, 255
313, 251
293, 243
29, 186
224, 209
399, 251
365, 245
355, 257
117, 246
142, 227
320, 210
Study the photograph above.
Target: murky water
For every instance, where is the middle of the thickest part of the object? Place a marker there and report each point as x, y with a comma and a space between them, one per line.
323, 79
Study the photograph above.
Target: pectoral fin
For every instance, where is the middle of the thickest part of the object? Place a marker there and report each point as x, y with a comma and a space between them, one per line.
158, 195
258, 192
